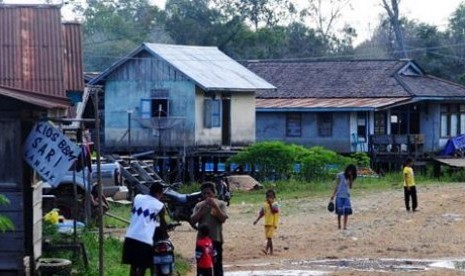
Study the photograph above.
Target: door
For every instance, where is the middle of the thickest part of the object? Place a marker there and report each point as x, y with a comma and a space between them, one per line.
13, 242
226, 121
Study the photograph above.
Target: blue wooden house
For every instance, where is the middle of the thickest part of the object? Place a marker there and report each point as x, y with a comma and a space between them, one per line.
179, 100
385, 107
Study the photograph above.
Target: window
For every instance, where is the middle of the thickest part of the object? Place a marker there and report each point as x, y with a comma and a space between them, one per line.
361, 125
293, 124
154, 108
452, 120
212, 115
325, 124
380, 123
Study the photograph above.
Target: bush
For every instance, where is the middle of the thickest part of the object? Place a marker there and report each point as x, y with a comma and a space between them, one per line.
275, 160
321, 163
5, 222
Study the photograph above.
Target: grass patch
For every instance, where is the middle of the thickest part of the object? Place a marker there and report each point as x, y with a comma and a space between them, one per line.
294, 189
113, 248
286, 190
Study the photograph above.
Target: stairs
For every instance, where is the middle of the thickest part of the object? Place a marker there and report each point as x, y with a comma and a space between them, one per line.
137, 173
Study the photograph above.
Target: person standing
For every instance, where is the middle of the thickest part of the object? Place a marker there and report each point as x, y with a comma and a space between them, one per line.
344, 181
410, 192
212, 212
138, 241
269, 210
204, 252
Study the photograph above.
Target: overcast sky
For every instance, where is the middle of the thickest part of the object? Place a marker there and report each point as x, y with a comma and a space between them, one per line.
364, 13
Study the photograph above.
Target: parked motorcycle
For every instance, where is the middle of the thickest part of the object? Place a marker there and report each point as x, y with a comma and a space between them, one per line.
163, 258
180, 206
223, 191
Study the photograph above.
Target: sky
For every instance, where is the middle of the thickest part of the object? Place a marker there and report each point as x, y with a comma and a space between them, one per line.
364, 13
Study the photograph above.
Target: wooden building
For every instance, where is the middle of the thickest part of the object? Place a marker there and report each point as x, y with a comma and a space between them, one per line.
40, 61
183, 103
388, 108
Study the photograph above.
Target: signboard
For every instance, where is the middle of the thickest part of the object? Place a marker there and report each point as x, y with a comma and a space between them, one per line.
49, 152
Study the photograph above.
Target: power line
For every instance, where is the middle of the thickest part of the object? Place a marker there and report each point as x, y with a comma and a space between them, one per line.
373, 46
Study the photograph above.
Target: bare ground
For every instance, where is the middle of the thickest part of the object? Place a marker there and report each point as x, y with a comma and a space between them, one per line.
380, 229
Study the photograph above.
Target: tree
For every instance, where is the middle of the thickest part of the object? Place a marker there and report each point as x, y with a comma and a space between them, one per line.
259, 13
456, 36
195, 23
325, 16
113, 28
392, 10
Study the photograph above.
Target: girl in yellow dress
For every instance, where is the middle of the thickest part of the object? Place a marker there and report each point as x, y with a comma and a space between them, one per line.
269, 210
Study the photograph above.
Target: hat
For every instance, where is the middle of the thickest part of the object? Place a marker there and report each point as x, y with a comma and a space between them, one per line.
331, 206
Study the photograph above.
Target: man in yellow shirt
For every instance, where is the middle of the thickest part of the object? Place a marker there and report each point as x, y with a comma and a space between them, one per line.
409, 185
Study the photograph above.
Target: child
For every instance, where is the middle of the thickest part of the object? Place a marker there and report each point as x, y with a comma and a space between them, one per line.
409, 185
269, 210
94, 199
344, 183
204, 252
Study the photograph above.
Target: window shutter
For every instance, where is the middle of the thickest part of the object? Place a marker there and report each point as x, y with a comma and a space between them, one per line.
146, 108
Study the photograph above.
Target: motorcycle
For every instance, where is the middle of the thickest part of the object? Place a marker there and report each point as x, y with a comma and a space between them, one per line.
163, 257
180, 206
223, 191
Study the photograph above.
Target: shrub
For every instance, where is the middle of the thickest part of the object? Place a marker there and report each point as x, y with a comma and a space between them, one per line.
321, 163
5, 222
268, 159
275, 160
361, 159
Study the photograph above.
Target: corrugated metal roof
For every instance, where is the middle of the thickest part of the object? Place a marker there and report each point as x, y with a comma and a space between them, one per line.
264, 104
33, 98
453, 162
37, 52
207, 66
73, 67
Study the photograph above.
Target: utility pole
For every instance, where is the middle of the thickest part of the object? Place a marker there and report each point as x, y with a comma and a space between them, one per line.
95, 90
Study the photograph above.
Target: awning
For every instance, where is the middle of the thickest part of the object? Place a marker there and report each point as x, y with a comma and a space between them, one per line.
325, 104
34, 98
452, 162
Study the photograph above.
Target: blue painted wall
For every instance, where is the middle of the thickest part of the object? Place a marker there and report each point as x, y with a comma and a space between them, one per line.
135, 80
272, 126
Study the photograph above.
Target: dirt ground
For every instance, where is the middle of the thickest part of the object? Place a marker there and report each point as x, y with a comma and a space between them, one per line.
381, 239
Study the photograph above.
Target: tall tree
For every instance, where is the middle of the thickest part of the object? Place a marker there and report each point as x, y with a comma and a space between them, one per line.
193, 22
325, 16
392, 9
456, 36
259, 13
113, 28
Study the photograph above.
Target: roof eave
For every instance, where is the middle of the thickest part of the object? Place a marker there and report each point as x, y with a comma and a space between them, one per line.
315, 109
117, 64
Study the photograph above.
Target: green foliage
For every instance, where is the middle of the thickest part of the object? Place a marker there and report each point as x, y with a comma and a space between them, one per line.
113, 28
113, 248
242, 29
269, 158
362, 159
119, 210
276, 160
5, 222
321, 163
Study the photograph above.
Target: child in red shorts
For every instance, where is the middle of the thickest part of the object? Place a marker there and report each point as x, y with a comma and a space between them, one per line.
204, 252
